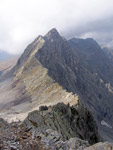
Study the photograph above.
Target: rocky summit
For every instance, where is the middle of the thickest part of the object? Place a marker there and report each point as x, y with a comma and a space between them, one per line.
60, 92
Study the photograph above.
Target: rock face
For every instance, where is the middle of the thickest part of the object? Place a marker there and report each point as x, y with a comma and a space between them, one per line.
92, 54
75, 121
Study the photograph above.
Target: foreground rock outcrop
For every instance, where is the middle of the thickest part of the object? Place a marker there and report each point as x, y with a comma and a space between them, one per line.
75, 121
58, 127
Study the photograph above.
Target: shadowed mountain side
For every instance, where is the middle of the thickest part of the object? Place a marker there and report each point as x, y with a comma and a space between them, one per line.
66, 67
97, 61
80, 71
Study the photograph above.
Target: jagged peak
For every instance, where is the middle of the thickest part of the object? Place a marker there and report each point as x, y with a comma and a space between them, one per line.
53, 34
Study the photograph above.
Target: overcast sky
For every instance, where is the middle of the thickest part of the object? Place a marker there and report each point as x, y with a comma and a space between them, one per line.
23, 20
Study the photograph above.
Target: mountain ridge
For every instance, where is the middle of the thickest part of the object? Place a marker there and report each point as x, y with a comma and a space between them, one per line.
54, 66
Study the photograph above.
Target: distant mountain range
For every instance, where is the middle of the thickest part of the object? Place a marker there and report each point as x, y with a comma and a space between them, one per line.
4, 55
7, 61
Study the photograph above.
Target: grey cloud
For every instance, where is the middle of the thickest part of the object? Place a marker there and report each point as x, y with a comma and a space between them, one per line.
22, 20
100, 30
